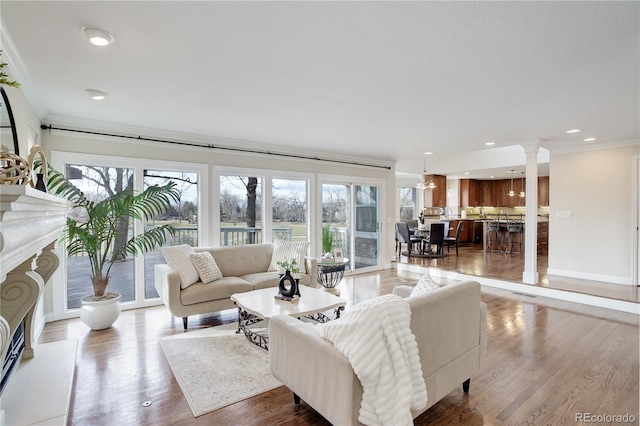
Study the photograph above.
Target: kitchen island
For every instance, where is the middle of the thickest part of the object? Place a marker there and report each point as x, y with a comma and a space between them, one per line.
543, 233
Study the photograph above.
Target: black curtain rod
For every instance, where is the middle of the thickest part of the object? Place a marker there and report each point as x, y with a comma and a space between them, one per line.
210, 146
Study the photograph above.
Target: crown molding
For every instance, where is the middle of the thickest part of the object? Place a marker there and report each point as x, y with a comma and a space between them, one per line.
596, 146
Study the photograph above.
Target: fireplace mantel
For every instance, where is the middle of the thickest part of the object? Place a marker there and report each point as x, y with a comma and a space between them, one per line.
31, 222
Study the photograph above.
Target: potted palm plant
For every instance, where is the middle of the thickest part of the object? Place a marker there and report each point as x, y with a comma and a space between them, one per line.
93, 229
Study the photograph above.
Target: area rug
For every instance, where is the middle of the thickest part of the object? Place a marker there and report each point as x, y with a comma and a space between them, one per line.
216, 367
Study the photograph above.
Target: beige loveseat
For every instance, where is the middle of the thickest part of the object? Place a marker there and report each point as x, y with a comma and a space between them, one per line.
450, 326
244, 268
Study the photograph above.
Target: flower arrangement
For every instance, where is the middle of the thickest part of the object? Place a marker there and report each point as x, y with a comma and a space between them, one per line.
291, 266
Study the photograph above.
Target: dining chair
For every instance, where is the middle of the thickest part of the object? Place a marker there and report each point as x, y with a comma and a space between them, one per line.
450, 241
413, 225
403, 235
436, 238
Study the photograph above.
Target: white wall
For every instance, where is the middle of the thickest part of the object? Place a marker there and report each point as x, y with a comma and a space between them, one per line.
26, 120
597, 241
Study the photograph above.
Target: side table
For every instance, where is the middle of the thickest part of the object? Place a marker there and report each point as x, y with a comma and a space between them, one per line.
330, 273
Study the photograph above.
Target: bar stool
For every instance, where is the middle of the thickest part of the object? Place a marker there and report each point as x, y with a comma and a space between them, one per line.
493, 236
514, 236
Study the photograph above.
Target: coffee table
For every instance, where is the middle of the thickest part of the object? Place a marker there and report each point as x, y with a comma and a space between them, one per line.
259, 305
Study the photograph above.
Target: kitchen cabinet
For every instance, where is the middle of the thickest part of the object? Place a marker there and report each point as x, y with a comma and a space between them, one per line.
436, 197
499, 193
466, 233
470, 193
543, 191
487, 193
517, 200
494, 193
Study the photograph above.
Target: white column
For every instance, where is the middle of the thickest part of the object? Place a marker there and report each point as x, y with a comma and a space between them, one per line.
530, 274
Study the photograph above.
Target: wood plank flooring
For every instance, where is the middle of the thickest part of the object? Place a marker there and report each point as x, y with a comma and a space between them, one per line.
472, 260
546, 361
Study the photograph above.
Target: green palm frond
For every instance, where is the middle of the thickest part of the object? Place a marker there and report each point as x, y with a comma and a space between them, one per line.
97, 234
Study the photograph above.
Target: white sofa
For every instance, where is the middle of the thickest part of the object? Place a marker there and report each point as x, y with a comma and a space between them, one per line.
450, 326
244, 268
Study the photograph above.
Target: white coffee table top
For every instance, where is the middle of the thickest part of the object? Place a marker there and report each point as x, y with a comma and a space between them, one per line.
261, 303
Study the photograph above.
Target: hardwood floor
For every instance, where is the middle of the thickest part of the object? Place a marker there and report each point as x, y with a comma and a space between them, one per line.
546, 361
472, 260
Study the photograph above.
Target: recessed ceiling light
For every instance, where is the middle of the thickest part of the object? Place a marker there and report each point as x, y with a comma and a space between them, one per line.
96, 95
491, 177
573, 131
490, 143
590, 139
97, 36
428, 153
466, 173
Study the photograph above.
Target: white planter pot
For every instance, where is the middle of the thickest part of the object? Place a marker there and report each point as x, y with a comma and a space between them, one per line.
100, 314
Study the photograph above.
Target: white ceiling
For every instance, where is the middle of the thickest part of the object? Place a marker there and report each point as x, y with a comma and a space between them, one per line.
379, 80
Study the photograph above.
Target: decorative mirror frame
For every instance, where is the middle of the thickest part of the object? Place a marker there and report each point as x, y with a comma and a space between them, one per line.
7, 104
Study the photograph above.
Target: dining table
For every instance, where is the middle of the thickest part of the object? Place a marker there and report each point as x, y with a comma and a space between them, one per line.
424, 234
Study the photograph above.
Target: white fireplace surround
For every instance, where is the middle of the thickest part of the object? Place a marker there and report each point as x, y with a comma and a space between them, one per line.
31, 222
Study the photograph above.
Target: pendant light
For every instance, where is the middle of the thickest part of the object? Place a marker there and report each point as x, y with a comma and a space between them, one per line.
422, 180
511, 192
522, 194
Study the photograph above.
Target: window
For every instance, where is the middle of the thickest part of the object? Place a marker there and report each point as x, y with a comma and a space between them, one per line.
183, 216
98, 183
407, 203
289, 209
240, 210
99, 176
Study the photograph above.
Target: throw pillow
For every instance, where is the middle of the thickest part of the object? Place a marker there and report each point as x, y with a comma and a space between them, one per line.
178, 259
284, 251
424, 285
206, 266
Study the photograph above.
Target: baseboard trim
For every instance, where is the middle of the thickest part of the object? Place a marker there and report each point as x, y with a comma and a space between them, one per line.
588, 276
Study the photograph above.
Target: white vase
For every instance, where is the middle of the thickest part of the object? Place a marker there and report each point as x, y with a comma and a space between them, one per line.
100, 314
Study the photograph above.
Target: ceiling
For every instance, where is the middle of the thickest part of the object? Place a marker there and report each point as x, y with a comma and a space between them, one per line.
379, 80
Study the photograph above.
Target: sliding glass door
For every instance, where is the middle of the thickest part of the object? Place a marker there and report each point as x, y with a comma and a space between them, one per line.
351, 212
336, 215
132, 277
366, 247
99, 183
184, 217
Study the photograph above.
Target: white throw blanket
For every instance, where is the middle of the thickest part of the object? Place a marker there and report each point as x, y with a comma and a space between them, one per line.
376, 338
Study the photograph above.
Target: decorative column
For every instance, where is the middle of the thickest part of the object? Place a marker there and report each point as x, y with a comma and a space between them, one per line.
530, 274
